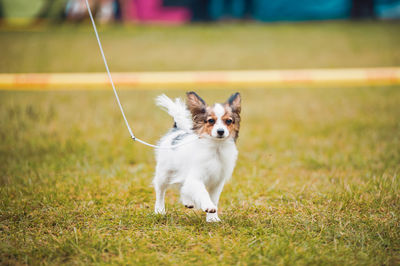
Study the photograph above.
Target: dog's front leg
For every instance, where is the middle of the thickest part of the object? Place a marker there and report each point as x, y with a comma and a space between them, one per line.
215, 193
160, 189
195, 190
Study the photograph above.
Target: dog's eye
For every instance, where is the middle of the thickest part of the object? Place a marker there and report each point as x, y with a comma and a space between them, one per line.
211, 121
228, 121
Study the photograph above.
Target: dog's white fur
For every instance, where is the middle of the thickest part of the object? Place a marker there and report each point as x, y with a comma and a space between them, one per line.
199, 168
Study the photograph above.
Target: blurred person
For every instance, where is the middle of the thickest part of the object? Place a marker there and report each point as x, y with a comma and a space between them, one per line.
106, 11
76, 10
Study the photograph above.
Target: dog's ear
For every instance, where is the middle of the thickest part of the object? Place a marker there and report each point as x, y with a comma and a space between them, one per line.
235, 102
195, 104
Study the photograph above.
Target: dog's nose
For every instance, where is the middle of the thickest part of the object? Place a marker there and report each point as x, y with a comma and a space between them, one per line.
220, 132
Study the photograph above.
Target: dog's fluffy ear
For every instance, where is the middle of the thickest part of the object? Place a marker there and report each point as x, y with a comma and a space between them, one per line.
235, 102
195, 104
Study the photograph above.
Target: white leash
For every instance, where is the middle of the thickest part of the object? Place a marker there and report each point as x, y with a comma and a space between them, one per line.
116, 94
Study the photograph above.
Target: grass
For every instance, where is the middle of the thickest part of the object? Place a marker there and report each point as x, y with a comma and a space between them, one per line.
316, 181
202, 47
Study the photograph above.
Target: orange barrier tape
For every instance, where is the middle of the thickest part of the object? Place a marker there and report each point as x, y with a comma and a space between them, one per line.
351, 76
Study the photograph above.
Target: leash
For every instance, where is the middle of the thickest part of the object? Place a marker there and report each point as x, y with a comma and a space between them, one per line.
116, 94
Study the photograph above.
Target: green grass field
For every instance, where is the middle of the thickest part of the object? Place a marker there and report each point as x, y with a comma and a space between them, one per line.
317, 179
202, 47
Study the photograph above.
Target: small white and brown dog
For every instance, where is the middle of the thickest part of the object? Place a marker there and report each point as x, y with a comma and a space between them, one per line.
199, 153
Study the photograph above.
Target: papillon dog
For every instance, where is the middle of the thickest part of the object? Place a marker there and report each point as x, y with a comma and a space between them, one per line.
199, 153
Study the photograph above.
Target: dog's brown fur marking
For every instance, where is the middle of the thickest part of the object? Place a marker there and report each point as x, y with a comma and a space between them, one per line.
197, 107
201, 113
233, 108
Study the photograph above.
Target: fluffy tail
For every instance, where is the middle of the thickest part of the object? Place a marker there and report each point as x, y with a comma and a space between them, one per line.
177, 109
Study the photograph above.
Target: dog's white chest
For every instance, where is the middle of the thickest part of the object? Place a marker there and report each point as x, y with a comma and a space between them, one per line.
219, 164
214, 167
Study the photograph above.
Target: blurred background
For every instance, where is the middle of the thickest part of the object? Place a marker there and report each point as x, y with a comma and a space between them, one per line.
186, 11
44, 36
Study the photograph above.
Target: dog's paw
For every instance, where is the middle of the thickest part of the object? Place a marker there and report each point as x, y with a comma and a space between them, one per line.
187, 202
212, 218
159, 211
210, 208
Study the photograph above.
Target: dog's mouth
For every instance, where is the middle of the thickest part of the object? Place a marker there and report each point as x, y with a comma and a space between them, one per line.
217, 138
220, 138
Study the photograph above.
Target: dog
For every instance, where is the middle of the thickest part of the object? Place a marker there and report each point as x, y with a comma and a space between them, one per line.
199, 153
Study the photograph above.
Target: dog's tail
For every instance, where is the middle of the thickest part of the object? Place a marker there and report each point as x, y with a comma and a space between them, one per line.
177, 109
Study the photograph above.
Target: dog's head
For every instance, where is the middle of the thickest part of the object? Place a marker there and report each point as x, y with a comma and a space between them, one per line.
220, 121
